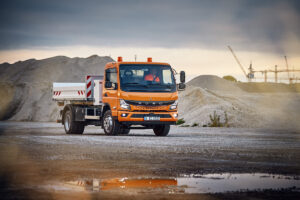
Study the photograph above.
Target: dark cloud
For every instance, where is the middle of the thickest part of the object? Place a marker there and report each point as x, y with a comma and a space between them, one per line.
248, 25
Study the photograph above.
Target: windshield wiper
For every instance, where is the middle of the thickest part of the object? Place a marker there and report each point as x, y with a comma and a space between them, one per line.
135, 83
159, 84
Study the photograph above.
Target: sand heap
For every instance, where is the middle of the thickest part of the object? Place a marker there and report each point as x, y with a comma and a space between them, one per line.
25, 87
214, 83
208, 94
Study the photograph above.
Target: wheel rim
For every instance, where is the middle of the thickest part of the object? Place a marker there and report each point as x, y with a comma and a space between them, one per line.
108, 122
67, 122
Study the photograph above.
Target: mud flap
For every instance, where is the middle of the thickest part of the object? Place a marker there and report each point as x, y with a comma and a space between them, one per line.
79, 114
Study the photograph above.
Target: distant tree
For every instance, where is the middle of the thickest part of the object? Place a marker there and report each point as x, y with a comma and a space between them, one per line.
230, 78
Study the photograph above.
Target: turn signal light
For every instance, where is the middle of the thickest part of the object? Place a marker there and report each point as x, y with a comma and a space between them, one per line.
149, 59
120, 59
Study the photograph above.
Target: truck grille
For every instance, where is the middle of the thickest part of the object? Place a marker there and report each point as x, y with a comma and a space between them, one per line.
149, 111
147, 108
149, 103
143, 115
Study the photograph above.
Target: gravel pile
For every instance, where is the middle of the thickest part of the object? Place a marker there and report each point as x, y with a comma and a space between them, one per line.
26, 85
207, 94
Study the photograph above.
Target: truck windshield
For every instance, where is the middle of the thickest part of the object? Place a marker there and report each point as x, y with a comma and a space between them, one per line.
147, 78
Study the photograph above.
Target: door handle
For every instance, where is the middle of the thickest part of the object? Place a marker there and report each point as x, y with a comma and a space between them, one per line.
105, 94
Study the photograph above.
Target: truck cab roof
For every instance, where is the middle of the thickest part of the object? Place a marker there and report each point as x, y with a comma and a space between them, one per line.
142, 63
120, 61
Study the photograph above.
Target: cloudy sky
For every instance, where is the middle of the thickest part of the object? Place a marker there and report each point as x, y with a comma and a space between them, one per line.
192, 35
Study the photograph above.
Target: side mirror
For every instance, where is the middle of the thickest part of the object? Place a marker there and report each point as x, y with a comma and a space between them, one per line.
181, 86
108, 84
182, 76
115, 86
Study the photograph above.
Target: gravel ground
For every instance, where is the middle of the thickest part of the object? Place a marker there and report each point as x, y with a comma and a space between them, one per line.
34, 155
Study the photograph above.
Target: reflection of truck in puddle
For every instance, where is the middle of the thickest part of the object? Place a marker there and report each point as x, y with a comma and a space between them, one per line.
124, 183
194, 183
130, 95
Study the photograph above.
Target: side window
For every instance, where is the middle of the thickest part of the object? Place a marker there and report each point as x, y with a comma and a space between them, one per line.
111, 76
167, 76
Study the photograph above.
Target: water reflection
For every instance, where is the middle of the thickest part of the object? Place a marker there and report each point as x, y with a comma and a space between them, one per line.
123, 183
195, 183
216, 183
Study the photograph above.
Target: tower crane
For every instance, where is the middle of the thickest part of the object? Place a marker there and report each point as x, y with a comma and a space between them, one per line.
239, 63
287, 67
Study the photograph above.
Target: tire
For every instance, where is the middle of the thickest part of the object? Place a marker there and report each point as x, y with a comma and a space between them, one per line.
72, 127
161, 130
125, 131
109, 125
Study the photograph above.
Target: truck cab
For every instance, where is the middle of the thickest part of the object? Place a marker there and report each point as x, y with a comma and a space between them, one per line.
134, 95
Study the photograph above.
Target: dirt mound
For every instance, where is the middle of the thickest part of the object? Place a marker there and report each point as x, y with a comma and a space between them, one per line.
9, 103
214, 83
26, 85
269, 87
263, 105
196, 104
261, 110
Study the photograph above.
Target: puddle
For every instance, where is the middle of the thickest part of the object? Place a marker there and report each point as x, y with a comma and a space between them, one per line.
216, 183
195, 183
116, 184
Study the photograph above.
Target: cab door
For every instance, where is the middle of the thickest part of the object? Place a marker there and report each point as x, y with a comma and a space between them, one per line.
110, 90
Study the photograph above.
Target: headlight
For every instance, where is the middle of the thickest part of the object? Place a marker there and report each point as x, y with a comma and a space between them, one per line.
124, 105
174, 105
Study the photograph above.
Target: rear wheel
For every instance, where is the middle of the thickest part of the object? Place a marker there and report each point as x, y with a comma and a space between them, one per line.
110, 126
161, 130
71, 126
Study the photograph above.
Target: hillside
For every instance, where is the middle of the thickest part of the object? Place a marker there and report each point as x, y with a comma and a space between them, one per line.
25, 86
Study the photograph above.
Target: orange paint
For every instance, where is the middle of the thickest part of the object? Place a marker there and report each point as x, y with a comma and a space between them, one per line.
136, 183
112, 97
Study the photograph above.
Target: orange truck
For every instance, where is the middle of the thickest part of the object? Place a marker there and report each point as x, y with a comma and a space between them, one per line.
130, 95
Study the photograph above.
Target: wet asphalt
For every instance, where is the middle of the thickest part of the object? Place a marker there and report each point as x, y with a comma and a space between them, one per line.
37, 158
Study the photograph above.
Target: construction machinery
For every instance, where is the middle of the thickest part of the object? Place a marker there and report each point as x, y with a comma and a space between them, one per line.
130, 95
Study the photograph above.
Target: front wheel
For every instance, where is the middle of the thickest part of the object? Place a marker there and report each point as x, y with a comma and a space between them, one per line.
161, 130
110, 126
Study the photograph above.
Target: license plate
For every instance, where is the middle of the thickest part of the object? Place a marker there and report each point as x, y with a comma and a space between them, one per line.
151, 118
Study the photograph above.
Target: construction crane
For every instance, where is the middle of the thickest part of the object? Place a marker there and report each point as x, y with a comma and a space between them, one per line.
287, 68
276, 71
242, 68
251, 73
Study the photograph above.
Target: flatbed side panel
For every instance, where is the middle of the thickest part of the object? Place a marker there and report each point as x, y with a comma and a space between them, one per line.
68, 91
98, 92
89, 80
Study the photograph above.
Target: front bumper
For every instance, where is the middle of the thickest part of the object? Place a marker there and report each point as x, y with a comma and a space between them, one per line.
148, 123
138, 117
